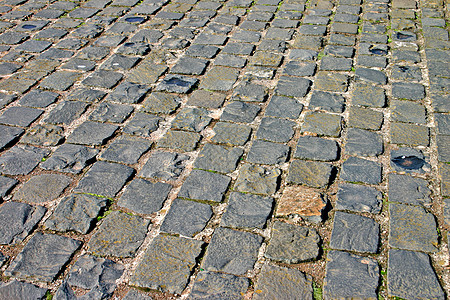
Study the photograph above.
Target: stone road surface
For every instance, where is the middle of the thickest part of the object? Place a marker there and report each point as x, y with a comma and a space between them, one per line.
224, 149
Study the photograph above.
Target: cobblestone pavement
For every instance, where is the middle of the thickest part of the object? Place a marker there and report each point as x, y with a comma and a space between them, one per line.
224, 149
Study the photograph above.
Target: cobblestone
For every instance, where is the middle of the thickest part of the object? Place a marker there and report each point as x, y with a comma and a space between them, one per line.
191, 115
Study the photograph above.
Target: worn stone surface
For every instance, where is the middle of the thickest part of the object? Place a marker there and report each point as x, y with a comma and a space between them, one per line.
98, 275
167, 264
357, 169
410, 275
409, 134
358, 198
69, 158
292, 244
342, 268
179, 140
76, 212
18, 220
186, 218
218, 158
44, 135
315, 148
144, 197
267, 153
368, 95
365, 118
231, 134
119, 235
247, 211
363, 143
126, 150
232, 251
283, 107
204, 185
42, 188
305, 202
9, 135
412, 228
240, 112
20, 116
283, 283
322, 124
275, 130
6, 184
217, 285
192, 119
330, 107
311, 173
21, 159
43, 257
92, 133
142, 124
257, 180
164, 165
354, 233
104, 179
21, 290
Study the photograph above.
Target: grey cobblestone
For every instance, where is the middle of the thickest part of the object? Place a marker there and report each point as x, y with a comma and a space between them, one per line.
190, 115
